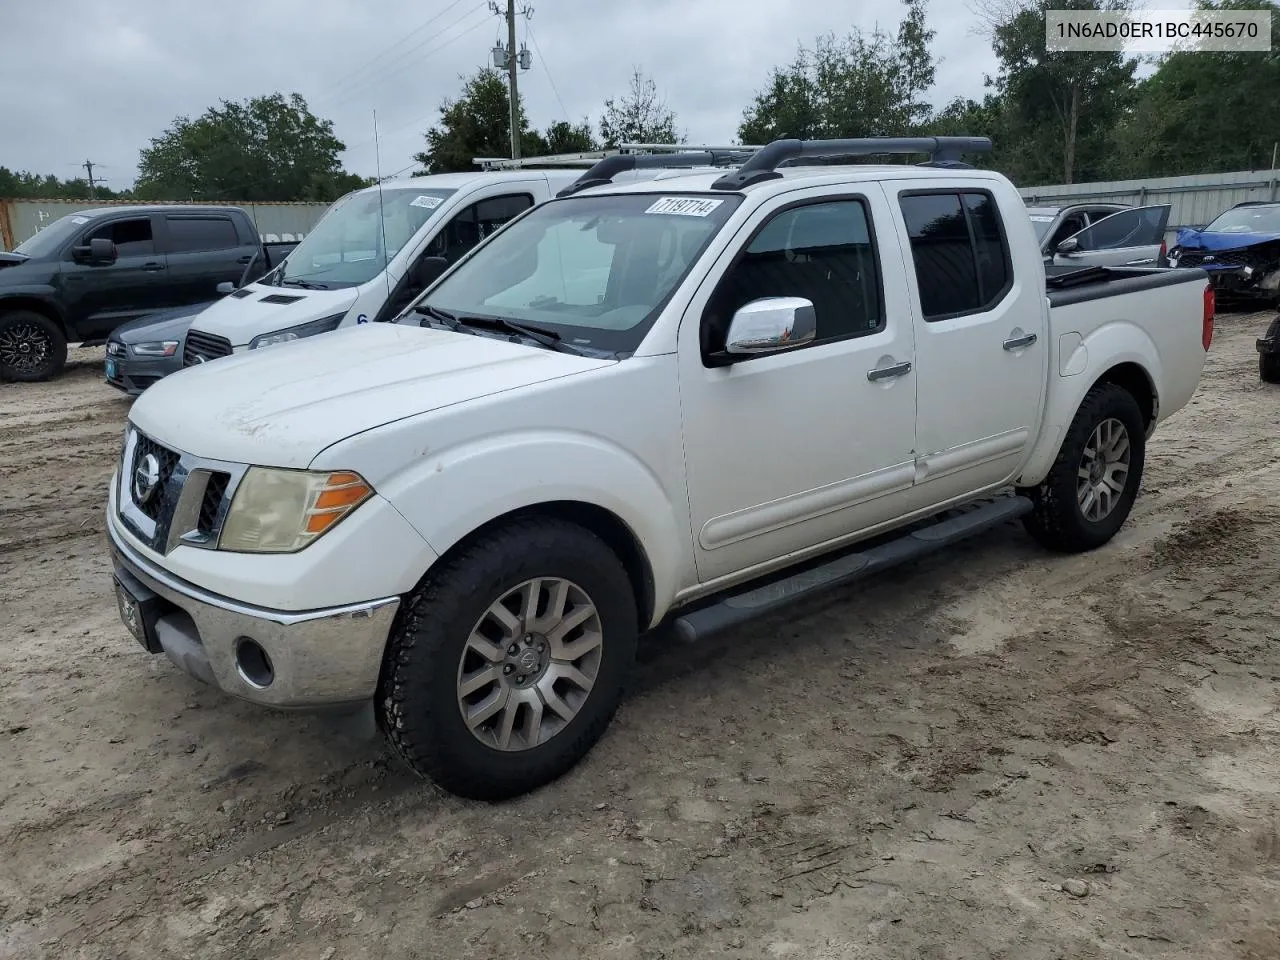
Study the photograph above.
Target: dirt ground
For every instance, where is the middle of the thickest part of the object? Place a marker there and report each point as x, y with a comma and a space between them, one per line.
996, 753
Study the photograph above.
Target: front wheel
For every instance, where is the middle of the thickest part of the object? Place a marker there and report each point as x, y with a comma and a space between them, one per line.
506, 666
32, 347
1087, 496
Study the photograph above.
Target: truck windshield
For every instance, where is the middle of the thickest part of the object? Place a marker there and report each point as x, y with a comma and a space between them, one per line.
595, 270
1247, 220
359, 235
52, 237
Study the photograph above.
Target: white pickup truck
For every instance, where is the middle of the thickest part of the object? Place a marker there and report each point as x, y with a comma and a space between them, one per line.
690, 400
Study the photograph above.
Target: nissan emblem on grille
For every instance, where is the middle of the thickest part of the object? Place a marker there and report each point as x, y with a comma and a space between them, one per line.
146, 478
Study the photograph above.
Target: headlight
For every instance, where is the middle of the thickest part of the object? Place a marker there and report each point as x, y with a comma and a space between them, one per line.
309, 329
281, 511
155, 348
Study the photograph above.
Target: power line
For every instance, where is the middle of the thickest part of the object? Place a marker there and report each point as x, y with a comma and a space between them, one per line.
389, 69
528, 27
373, 61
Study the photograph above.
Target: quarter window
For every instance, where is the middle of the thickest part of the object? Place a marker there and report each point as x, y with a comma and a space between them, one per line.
822, 252
960, 252
187, 234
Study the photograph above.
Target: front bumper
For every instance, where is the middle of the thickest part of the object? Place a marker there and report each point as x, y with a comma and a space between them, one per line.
132, 375
316, 658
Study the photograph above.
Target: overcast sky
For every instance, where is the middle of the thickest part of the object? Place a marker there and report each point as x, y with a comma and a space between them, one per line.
96, 80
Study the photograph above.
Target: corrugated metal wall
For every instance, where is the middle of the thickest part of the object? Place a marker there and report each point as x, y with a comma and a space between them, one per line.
20, 219
1196, 200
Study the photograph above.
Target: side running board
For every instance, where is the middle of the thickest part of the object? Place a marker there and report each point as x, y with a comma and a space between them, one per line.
920, 541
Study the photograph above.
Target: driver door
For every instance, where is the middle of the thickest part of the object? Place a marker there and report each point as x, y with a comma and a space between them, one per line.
1131, 238
795, 450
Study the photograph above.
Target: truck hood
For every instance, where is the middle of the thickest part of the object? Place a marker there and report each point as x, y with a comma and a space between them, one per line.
1190, 239
264, 309
12, 259
282, 405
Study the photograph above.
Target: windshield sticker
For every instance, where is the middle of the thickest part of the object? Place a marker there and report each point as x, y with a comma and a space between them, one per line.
685, 206
79, 220
429, 203
1039, 219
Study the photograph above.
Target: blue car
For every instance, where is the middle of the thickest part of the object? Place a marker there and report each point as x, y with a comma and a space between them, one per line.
1240, 250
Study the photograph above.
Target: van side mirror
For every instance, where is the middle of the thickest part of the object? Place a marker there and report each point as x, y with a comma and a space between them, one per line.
225, 287
771, 324
1068, 246
98, 250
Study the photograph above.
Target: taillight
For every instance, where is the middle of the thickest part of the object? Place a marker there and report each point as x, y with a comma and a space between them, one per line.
1164, 255
1206, 330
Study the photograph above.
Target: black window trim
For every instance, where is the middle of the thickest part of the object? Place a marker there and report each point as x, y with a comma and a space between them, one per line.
722, 359
168, 218
973, 247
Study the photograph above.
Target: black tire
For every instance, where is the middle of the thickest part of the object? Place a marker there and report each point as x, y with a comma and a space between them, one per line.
1269, 363
32, 347
1058, 522
418, 696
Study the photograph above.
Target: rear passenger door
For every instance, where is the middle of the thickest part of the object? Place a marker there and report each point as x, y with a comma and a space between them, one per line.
790, 451
203, 250
980, 343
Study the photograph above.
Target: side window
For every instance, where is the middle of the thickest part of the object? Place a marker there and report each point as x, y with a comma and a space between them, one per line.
131, 237
820, 251
959, 250
1130, 228
1069, 227
201, 233
476, 222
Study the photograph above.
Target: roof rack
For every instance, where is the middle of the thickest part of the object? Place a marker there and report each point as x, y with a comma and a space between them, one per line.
609, 167
763, 164
591, 157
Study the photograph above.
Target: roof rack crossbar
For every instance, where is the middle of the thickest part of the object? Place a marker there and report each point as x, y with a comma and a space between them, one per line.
763, 164
605, 170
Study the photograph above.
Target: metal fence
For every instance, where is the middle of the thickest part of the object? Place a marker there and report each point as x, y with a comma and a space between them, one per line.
20, 219
1195, 200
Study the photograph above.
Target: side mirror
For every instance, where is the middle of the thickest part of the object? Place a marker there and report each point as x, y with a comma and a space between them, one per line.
771, 324
1068, 246
225, 287
97, 250
428, 271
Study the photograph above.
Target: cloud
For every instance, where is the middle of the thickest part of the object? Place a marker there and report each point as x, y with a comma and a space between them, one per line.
100, 84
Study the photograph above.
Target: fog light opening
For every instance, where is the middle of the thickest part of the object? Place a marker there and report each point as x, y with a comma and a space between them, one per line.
253, 664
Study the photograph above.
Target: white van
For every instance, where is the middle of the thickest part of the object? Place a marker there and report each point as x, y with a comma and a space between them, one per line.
373, 251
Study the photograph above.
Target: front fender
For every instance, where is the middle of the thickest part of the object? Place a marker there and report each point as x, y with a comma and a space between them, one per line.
1082, 362
448, 493
33, 293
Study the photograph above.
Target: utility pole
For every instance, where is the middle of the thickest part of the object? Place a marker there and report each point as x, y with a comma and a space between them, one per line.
88, 165
506, 57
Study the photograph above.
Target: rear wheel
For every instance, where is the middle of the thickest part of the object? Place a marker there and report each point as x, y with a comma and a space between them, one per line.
1269, 363
32, 347
507, 664
1087, 496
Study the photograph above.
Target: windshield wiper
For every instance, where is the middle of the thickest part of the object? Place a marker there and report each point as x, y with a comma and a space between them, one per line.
547, 338
304, 284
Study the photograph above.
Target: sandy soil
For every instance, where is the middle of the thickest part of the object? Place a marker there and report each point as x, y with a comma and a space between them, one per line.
997, 753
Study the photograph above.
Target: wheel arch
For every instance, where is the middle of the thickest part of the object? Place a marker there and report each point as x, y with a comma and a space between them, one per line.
36, 304
1134, 378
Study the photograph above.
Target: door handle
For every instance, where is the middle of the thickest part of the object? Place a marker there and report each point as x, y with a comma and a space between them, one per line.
246, 258
152, 267
1016, 343
888, 373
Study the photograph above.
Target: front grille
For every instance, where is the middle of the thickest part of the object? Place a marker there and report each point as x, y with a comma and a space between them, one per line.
160, 503
1237, 258
202, 347
143, 381
214, 492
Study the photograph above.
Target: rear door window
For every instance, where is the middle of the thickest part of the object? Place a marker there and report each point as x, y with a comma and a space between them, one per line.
188, 234
959, 250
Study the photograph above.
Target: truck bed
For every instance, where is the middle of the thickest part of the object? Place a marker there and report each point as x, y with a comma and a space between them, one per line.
1069, 284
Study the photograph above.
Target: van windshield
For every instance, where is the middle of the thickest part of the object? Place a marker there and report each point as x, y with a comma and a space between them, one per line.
359, 235
597, 271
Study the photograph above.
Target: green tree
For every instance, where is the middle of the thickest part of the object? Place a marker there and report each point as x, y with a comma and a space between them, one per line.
1060, 109
1205, 112
23, 185
477, 123
639, 116
264, 148
565, 137
858, 85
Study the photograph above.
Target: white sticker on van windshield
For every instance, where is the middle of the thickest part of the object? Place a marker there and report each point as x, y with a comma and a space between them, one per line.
1039, 219
424, 201
685, 206
79, 220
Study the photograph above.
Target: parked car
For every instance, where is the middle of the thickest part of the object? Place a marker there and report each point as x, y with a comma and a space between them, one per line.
1240, 250
142, 351
1053, 224
1129, 238
86, 273
690, 401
